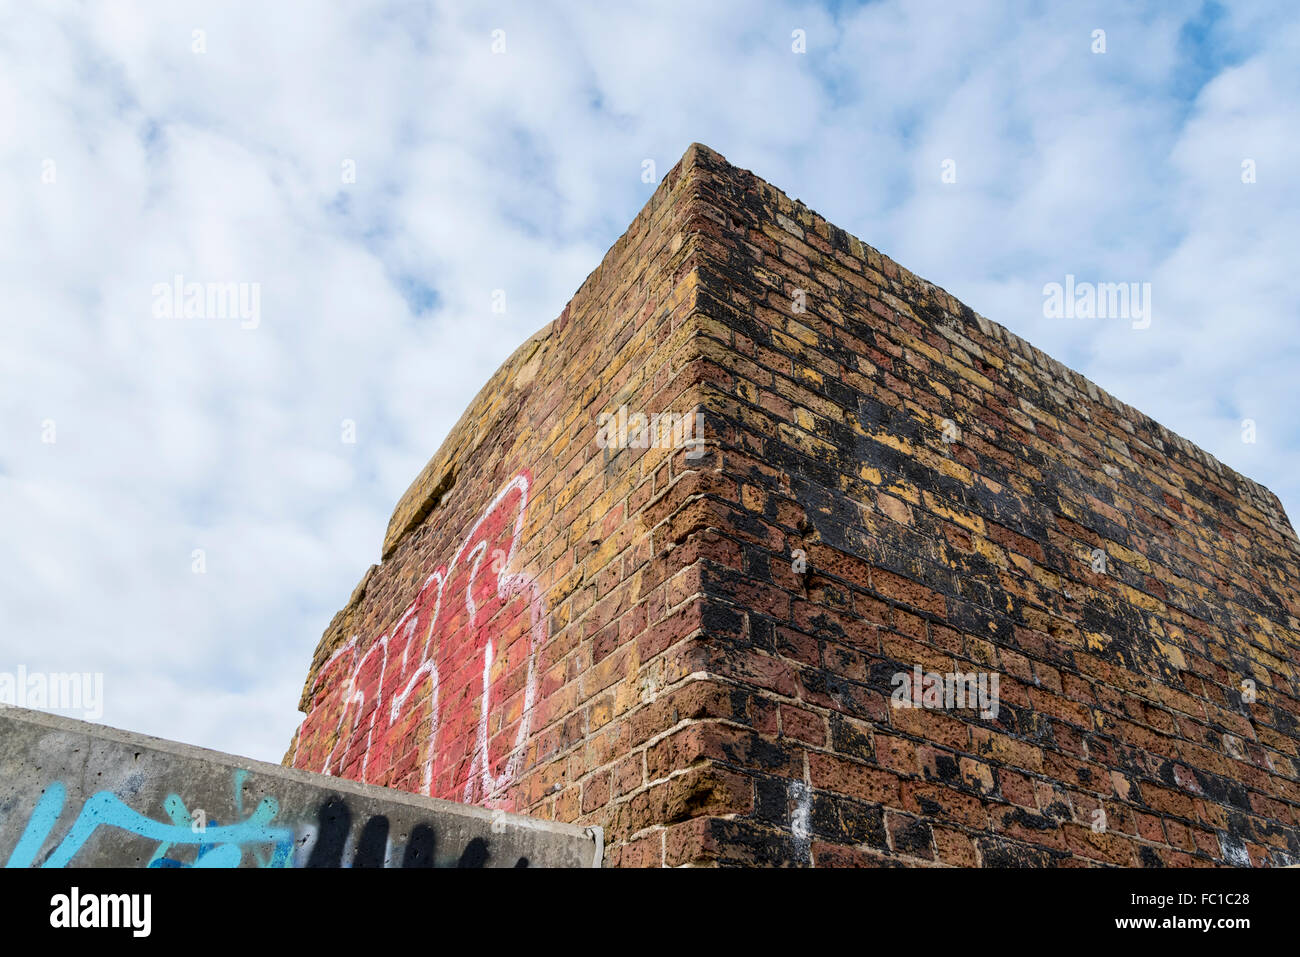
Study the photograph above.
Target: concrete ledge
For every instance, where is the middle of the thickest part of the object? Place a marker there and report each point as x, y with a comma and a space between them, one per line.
85, 795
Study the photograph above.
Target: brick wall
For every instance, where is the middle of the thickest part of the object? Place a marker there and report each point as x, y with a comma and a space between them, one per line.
701, 653
519, 563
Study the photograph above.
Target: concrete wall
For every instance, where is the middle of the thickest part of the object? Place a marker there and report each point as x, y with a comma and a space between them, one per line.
83, 795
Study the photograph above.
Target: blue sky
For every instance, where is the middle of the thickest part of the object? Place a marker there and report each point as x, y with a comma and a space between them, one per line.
133, 149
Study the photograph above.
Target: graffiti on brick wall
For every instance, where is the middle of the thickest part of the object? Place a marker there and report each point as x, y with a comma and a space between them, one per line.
190, 839
442, 702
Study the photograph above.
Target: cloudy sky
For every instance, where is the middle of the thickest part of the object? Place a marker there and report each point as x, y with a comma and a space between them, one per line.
180, 509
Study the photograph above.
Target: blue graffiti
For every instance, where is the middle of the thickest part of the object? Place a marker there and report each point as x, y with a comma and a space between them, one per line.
217, 845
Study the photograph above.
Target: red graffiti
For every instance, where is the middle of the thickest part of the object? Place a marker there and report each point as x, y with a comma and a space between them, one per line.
442, 702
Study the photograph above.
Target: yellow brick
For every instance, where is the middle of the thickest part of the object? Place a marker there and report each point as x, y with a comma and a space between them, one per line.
967, 521
955, 470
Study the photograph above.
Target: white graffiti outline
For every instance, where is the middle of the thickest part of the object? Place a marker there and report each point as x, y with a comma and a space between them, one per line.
482, 784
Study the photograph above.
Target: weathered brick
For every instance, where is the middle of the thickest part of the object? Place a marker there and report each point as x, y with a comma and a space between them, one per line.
699, 652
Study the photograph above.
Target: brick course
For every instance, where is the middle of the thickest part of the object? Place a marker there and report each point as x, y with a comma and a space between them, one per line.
697, 653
